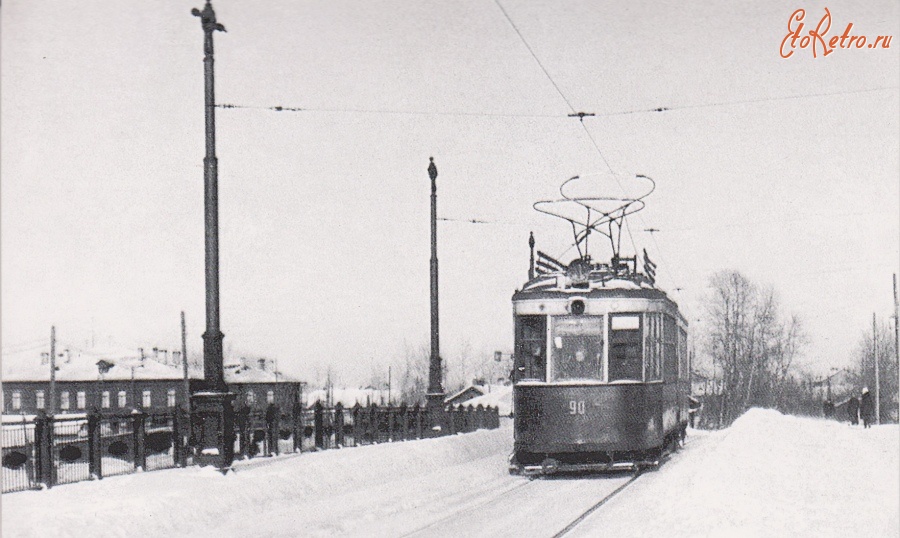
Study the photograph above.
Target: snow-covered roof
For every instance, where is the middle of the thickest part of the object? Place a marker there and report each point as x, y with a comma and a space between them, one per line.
499, 396
123, 362
85, 365
348, 397
248, 373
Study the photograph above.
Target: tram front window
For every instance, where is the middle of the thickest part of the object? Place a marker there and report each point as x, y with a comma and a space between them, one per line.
577, 347
625, 361
531, 336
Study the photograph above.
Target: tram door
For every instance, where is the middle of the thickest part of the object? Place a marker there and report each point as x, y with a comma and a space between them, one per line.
531, 348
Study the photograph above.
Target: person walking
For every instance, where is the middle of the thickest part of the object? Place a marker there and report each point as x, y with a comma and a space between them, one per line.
853, 410
867, 408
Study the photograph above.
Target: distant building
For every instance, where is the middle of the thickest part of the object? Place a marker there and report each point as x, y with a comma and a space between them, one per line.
115, 379
476, 390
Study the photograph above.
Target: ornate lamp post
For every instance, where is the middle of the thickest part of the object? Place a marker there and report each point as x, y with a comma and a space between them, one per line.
213, 417
435, 394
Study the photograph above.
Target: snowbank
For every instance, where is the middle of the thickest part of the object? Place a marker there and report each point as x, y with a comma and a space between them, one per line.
767, 475
336, 492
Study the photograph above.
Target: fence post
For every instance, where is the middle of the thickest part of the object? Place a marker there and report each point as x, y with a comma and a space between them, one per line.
496, 415
178, 423
479, 417
389, 415
94, 449
452, 411
339, 425
404, 422
272, 413
140, 456
297, 416
357, 424
373, 422
319, 426
43, 430
417, 411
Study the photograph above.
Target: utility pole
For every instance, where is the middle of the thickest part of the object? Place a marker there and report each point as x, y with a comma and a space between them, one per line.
213, 413
53, 370
877, 377
896, 322
435, 395
184, 364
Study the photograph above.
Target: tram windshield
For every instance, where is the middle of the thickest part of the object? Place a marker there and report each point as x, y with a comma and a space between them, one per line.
625, 358
577, 347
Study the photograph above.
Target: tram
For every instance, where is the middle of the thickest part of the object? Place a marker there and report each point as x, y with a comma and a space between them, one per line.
601, 358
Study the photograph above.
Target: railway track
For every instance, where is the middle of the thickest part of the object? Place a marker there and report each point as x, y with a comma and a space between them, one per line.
577, 521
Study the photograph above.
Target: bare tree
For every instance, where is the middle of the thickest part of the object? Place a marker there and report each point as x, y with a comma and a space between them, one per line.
749, 344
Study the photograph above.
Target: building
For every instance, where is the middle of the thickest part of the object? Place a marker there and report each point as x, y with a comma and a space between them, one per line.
115, 379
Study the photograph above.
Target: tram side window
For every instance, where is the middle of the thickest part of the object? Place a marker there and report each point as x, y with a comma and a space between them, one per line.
653, 347
531, 335
577, 347
670, 342
683, 362
625, 360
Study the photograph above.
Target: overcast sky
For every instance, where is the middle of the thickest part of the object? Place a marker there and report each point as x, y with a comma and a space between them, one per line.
784, 169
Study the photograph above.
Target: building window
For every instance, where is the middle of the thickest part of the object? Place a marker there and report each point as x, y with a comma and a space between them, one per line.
170, 398
251, 397
17, 400
39, 399
104, 399
270, 397
147, 399
64, 400
81, 399
123, 398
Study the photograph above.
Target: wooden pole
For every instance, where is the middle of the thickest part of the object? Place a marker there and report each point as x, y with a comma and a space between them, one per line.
184, 364
52, 370
877, 376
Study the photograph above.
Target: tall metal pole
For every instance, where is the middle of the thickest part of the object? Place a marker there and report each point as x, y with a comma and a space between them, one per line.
435, 394
212, 409
213, 371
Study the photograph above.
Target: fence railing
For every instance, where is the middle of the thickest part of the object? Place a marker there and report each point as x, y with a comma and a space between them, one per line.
44, 451
51, 450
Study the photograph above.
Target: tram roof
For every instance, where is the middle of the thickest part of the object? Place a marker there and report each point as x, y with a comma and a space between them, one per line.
560, 286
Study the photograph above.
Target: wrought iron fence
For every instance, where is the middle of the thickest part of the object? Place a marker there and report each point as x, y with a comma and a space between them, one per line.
18, 455
46, 450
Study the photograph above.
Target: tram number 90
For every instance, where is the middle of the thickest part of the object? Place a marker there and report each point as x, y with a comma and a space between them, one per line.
576, 407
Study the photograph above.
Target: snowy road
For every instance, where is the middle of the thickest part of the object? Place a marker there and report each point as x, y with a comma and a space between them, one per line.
767, 475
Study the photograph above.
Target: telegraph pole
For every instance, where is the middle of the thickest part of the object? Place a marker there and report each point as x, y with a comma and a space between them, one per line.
53, 370
877, 377
435, 394
184, 364
213, 413
896, 322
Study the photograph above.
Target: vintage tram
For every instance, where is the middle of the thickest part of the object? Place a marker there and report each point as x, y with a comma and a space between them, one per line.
601, 359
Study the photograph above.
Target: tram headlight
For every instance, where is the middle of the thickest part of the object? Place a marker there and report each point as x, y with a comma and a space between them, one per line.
577, 307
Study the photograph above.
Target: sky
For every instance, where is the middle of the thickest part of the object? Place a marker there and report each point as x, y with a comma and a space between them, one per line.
785, 169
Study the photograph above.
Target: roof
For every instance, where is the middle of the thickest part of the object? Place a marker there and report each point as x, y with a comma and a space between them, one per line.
82, 365
122, 363
478, 389
349, 397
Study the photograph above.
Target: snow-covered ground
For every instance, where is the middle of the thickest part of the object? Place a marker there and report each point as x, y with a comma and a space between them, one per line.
767, 475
